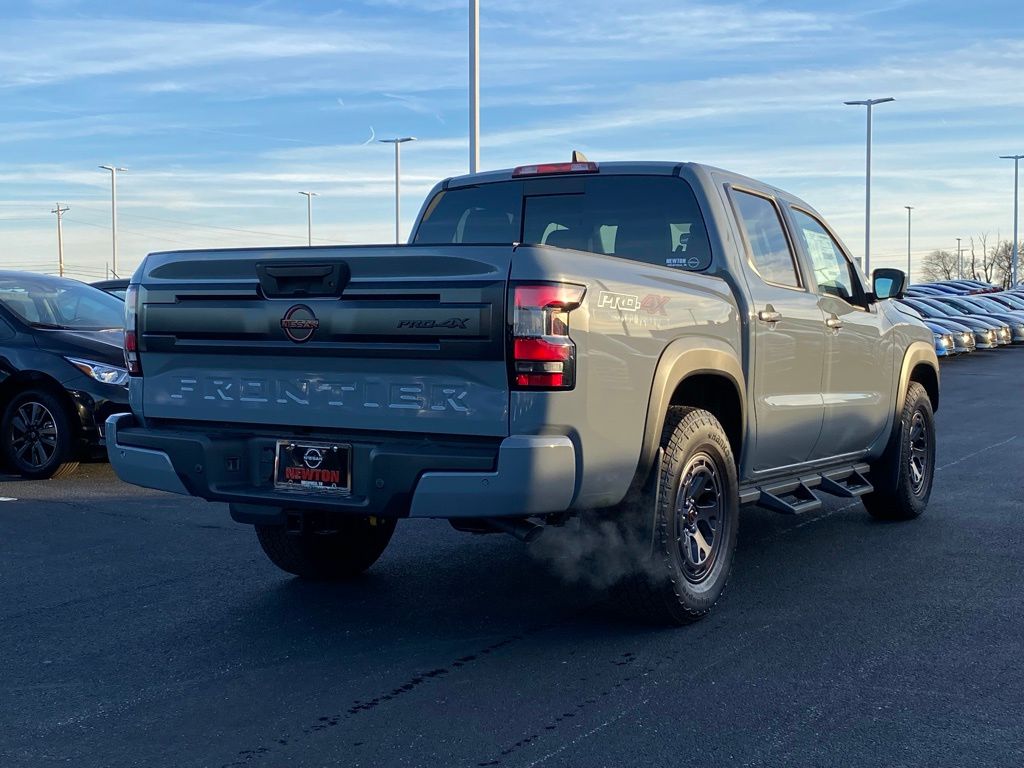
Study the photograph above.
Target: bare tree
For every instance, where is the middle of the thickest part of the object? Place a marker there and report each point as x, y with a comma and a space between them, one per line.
986, 268
939, 265
1002, 260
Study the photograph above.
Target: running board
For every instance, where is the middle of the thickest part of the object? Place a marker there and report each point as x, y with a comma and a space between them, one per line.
797, 495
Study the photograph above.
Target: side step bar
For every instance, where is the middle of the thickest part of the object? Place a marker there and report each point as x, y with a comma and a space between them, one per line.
797, 495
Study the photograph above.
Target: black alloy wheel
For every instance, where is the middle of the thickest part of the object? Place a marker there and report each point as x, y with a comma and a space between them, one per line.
699, 517
38, 439
33, 435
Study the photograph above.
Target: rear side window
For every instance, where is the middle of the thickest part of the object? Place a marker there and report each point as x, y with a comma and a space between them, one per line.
653, 219
770, 252
485, 214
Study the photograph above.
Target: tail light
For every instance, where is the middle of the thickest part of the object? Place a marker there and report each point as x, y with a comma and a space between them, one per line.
131, 331
543, 356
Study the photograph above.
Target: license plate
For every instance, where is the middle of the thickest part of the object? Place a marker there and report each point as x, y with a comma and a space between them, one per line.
312, 466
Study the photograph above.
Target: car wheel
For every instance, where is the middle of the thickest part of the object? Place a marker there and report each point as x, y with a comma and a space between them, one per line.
904, 475
38, 437
338, 554
687, 528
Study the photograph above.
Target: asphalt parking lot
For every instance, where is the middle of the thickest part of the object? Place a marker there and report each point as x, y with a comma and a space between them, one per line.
144, 629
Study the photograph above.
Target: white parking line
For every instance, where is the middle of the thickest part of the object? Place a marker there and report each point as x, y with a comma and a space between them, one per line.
972, 455
7, 498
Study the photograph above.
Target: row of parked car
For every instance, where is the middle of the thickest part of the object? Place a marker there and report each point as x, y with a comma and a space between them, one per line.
62, 368
966, 315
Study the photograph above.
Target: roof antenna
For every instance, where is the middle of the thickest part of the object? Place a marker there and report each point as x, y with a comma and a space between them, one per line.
579, 157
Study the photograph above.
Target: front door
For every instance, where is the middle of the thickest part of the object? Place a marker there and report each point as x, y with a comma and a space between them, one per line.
788, 334
858, 355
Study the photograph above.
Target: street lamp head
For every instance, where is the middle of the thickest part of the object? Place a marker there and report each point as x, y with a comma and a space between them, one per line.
112, 168
401, 140
310, 194
869, 102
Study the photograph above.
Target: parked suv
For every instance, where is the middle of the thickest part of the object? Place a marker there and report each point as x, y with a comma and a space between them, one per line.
61, 371
649, 344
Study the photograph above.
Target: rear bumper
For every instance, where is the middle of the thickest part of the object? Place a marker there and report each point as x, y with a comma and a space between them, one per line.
392, 476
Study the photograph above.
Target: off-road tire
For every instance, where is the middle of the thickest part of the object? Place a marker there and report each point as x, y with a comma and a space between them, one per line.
659, 590
340, 554
898, 495
54, 424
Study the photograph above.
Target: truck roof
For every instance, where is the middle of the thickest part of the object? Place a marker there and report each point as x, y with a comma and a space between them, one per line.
630, 167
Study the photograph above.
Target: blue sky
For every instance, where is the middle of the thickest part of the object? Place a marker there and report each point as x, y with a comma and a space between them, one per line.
223, 111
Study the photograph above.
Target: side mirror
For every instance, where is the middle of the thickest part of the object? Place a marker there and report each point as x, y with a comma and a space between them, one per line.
888, 283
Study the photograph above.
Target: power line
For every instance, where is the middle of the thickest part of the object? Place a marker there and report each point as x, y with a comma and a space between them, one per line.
136, 232
228, 229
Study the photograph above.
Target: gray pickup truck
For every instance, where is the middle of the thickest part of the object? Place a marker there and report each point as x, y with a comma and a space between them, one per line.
648, 344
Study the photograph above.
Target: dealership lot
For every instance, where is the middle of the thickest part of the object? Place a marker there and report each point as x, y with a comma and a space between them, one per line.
142, 628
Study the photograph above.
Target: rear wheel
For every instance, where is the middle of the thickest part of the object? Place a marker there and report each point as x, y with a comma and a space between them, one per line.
687, 530
348, 550
903, 476
37, 436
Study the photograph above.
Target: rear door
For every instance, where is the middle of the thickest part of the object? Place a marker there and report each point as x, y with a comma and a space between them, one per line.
406, 339
788, 333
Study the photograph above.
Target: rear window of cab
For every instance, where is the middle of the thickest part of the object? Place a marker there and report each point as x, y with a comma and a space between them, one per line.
652, 219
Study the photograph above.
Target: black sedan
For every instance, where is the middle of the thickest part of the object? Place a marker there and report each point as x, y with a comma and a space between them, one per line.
61, 371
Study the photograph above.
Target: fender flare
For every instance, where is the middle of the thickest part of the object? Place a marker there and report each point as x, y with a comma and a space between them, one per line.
918, 352
683, 358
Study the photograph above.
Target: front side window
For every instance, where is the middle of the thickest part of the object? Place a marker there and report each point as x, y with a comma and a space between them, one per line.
833, 272
770, 253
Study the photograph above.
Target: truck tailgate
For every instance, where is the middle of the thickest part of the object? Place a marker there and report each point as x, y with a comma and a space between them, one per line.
407, 338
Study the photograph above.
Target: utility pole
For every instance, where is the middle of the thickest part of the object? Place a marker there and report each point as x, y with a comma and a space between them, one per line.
474, 85
60, 238
869, 103
1015, 258
309, 215
909, 209
960, 259
398, 142
113, 212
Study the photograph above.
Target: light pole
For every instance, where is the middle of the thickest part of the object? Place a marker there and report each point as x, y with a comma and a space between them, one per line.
60, 238
1015, 259
309, 215
869, 103
398, 142
959, 261
909, 209
474, 85
113, 212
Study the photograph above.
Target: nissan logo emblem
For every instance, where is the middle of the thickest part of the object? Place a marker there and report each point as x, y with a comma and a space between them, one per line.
299, 323
313, 458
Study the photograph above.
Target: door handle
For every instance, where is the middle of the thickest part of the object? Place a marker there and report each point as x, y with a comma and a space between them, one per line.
769, 316
834, 323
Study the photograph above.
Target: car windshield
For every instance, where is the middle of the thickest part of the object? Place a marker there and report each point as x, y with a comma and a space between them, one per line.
1009, 301
58, 303
989, 304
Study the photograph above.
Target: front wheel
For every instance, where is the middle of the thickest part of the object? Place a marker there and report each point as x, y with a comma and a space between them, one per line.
688, 527
904, 475
38, 438
343, 553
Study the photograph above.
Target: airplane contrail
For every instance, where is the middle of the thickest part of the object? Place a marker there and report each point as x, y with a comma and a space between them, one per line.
372, 137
